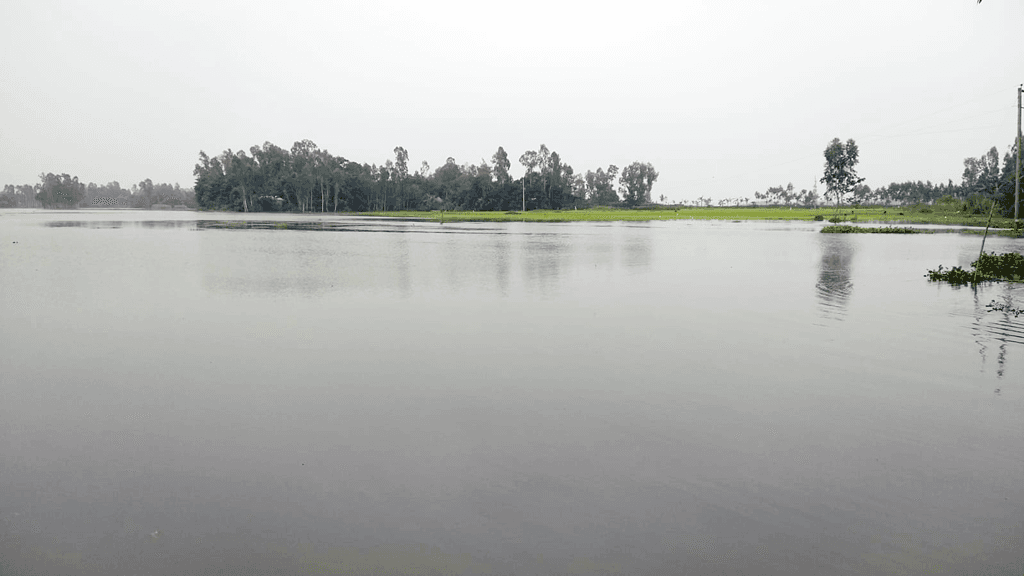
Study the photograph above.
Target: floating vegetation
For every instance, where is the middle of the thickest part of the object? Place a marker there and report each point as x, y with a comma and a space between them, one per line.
848, 229
1009, 266
1004, 232
955, 275
994, 306
989, 267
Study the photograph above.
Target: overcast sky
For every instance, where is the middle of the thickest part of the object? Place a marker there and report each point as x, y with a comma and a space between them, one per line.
724, 97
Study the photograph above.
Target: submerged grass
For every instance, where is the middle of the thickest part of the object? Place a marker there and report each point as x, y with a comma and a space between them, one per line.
937, 214
611, 214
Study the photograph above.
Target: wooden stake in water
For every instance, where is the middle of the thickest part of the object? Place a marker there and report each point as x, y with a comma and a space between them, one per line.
993, 209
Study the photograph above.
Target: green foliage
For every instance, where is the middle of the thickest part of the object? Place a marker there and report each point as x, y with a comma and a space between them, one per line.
600, 186
1008, 266
61, 191
955, 275
19, 196
982, 179
989, 267
637, 180
978, 204
308, 179
948, 203
786, 196
698, 213
840, 170
847, 229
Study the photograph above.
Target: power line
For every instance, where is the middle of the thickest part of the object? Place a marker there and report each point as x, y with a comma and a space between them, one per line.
941, 110
766, 168
968, 129
952, 121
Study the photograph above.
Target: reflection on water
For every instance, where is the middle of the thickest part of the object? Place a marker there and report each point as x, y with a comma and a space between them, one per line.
115, 224
542, 262
637, 246
834, 285
346, 224
500, 249
418, 259
997, 323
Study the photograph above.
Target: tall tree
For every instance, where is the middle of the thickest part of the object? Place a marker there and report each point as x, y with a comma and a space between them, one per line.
529, 161
600, 185
59, 191
637, 180
840, 176
304, 176
501, 166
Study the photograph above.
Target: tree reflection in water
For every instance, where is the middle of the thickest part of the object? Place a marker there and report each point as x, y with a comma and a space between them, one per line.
834, 285
997, 321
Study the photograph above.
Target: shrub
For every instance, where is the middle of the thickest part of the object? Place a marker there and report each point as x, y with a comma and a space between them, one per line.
978, 204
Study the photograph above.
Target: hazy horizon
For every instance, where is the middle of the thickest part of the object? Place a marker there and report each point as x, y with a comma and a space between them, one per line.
723, 99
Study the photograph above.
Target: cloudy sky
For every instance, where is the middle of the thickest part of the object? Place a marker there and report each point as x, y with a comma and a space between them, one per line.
724, 97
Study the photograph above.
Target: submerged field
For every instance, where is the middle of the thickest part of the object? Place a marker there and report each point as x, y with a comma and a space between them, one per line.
910, 215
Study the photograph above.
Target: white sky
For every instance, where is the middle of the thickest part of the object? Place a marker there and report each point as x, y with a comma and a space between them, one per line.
724, 97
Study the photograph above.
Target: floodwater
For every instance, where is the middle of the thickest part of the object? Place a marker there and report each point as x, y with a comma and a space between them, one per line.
214, 394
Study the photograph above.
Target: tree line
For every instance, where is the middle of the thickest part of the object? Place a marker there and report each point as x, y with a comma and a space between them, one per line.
65, 191
308, 179
984, 179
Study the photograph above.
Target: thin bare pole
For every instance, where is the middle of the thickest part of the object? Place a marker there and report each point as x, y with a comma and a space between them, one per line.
1016, 188
982, 252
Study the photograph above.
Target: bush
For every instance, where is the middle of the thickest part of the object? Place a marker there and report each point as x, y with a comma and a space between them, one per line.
978, 204
949, 203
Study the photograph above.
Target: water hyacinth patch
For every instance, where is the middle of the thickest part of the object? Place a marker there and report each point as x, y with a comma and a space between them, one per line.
848, 229
989, 267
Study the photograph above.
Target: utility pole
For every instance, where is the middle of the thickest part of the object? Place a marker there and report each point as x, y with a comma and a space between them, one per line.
1020, 143
524, 187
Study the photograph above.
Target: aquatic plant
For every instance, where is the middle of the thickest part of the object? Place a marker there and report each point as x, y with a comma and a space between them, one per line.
955, 275
848, 229
989, 267
994, 306
1009, 266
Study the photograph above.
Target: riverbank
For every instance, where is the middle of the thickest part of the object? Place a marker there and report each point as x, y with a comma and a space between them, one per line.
901, 215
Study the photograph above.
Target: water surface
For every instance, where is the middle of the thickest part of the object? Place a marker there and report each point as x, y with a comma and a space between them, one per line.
296, 394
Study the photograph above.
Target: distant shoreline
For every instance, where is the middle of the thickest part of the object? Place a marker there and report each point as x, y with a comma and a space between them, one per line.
905, 215
918, 214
